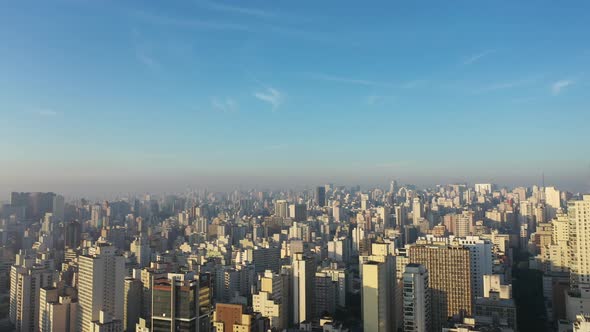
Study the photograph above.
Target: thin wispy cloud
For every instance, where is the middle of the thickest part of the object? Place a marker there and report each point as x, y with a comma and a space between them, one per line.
413, 84
189, 22
507, 85
226, 105
348, 80
560, 85
236, 9
377, 100
476, 57
271, 96
46, 112
146, 59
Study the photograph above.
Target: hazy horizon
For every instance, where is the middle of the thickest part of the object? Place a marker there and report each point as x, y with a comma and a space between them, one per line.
117, 96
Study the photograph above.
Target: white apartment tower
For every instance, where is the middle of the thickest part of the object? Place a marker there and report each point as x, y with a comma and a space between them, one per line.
303, 269
27, 277
101, 279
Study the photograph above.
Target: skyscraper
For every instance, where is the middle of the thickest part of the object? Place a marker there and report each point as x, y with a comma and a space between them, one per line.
416, 299
417, 211
101, 291
281, 208
375, 297
449, 279
303, 269
320, 196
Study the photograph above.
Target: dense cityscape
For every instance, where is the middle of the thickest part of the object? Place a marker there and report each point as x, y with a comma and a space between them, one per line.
452, 258
287, 166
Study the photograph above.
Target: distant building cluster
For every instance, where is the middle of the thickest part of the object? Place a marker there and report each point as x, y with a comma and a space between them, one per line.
329, 259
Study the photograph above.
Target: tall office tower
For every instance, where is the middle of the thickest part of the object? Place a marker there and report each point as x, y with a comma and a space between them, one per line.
148, 275
375, 297
579, 216
26, 279
400, 216
384, 213
336, 211
72, 234
416, 299
417, 211
303, 272
58, 207
320, 196
132, 303
552, 202
272, 299
141, 248
101, 278
231, 318
325, 295
449, 279
281, 208
58, 309
298, 212
181, 303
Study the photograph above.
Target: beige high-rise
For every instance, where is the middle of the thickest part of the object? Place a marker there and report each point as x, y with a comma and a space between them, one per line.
449, 280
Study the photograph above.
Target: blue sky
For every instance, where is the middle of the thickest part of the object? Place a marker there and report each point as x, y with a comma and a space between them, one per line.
172, 92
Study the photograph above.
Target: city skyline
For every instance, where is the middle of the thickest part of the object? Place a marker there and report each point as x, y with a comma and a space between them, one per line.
114, 97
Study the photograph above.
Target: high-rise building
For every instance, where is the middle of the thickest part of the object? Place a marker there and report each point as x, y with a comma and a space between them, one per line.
320, 196
72, 234
325, 295
27, 277
376, 301
298, 212
450, 280
303, 272
101, 292
552, 202
281, 208
58, 309
272, 299
132, 303
181, 302
579, 215
416, 299
384, 213
141, 248
417, 211
336, 211
58, 208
